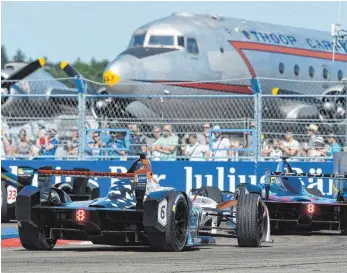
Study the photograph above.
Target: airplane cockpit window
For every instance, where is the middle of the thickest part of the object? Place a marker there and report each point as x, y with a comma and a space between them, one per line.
192, 46
161, 40
180, 41
137, 41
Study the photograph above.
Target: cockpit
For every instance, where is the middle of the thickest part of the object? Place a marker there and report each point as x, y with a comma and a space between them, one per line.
148, 44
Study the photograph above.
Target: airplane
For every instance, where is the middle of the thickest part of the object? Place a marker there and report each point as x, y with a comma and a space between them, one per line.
192, 54
33, 113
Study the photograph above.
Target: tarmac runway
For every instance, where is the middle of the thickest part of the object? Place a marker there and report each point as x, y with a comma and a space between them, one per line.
320, 252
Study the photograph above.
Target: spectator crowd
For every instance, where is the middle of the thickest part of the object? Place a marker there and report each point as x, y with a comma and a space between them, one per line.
164, 144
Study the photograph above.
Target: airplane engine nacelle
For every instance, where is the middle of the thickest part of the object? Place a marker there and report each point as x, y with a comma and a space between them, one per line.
333, 104
100, 106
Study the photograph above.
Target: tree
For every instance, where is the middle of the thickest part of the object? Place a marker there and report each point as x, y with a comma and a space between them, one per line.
19, 57
4, 57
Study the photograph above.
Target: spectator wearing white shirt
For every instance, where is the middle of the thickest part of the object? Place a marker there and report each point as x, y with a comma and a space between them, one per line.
220, 146
151, 148
290, 147
195, 151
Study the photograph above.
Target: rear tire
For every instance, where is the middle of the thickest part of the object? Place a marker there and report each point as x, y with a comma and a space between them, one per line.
249, 220
31, 238
177, 226
4, 209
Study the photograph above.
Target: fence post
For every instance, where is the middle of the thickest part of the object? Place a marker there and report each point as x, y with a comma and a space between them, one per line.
256, 87
81, 117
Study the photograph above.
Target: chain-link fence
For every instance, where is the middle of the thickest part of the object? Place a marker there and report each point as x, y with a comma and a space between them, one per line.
174, 121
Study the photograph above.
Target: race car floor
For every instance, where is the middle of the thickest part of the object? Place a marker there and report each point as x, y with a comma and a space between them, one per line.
320, 252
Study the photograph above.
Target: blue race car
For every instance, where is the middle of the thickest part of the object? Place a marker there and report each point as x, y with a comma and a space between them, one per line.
291, 207
136, 211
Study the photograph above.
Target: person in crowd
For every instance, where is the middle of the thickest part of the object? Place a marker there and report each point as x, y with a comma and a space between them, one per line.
276, 151
167, 144
266, 148
234, 145
23, 147
138, 141
194, 150
290, 146
319, 150
6, 147
51, 143
334, 147
220, 146
117, 143
73, 144
312, 132
151, 148
95, 144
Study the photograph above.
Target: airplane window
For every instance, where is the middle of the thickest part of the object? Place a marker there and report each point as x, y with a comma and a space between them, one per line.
281, 68
311, 71
161, 40
192, 46
325, 73
137, 40
296, 70
340, 75
180, 41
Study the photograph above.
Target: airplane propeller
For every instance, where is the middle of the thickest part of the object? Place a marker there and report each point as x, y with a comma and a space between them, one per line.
71, 72
22, 73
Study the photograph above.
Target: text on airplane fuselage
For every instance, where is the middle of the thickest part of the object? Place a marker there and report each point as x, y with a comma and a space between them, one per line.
282, 39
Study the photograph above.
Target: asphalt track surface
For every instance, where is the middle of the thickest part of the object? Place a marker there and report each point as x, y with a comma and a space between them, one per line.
319, 252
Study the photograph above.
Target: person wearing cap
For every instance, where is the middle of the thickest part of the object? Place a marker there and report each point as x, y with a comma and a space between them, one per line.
51, 143
220, 146
334, 147
312, 132
319, 148
290, 147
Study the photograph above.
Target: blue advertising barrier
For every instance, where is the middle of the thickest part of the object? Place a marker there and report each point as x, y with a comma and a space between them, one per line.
184, 175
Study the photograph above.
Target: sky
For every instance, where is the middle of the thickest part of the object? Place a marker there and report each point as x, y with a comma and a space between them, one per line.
68, 30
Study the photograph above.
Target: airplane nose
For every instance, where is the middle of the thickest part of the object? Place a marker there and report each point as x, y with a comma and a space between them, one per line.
111, 78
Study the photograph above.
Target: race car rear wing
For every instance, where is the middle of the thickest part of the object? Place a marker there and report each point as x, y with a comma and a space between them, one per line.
270, 174
73, 173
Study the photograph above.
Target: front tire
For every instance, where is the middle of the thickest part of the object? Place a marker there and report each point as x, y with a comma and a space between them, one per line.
177, 225
32, 238
250, 220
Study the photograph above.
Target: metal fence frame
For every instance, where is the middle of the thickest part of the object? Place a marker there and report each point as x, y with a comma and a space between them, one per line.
255, 84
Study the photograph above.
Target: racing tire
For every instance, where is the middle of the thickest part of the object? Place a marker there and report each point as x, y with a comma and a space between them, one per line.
31, 238
177, 226
315, 192
4, 209
241, 190
249, 220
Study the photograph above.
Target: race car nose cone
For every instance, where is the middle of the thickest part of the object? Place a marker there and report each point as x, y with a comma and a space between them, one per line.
111, 78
